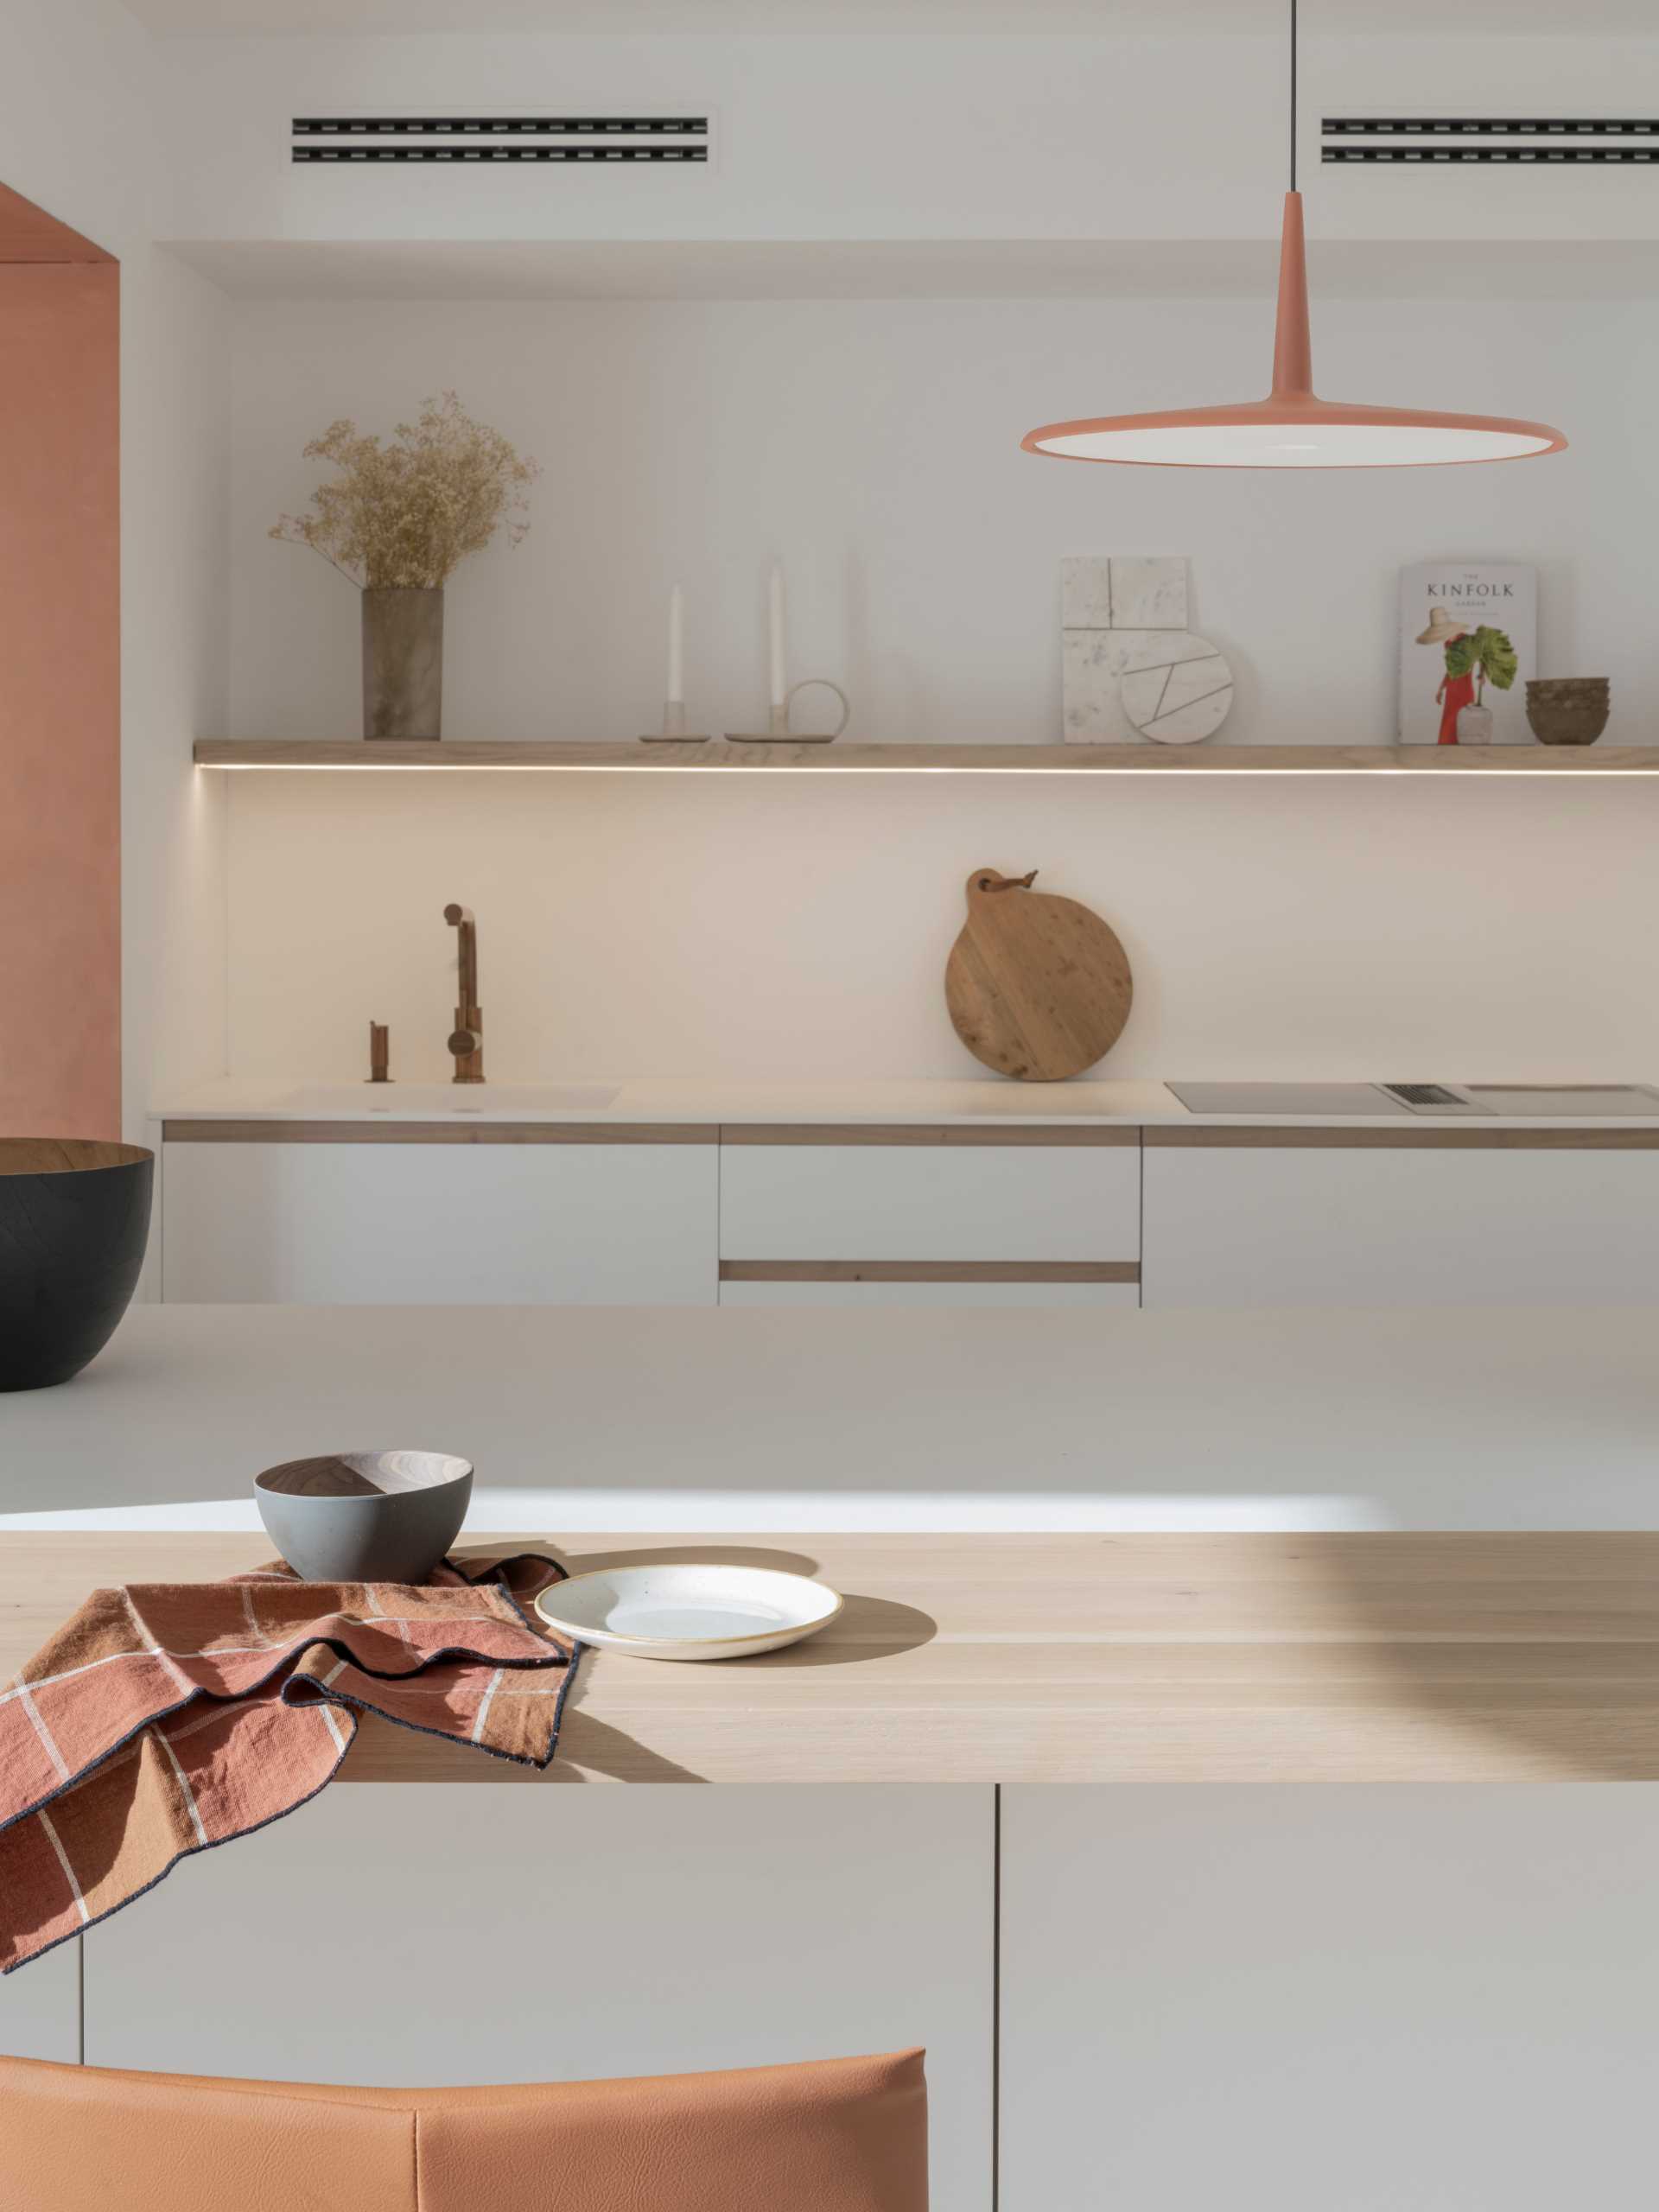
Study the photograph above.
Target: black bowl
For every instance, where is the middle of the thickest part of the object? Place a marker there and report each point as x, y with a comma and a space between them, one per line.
74, 1218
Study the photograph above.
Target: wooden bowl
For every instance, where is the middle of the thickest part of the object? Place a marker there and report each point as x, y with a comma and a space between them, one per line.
1568, 709
364, 1516
74, 1219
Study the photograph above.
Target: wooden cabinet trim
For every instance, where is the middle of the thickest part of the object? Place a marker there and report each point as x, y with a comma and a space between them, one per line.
438, 1133
924, 1134
1325, 1138
992, 1271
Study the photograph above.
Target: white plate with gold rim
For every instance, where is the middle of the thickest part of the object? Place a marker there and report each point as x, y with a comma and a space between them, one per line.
689, 1612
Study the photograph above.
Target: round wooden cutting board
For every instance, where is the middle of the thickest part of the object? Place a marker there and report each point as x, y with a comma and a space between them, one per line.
1038, 987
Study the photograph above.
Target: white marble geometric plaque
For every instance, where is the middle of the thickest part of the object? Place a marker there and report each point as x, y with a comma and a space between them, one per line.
1086, 592
1118, 591
1176, 688
1148, 593
1091, 663
1124, 634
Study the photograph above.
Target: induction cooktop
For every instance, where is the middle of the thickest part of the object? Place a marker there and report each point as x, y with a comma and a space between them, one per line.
1565, 1102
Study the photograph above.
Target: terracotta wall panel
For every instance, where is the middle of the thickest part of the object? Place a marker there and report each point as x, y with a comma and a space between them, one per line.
60, 699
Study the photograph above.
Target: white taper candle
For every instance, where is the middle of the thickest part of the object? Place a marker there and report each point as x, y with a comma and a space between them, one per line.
676, 692
775, 613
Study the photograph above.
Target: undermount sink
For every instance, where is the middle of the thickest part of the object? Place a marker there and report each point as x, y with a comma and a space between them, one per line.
432, 1100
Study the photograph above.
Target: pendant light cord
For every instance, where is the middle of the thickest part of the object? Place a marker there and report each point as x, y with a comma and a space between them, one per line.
1293, 95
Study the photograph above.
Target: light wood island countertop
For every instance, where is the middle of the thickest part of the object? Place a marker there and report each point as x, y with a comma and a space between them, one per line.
1067, 1658
1076, 1547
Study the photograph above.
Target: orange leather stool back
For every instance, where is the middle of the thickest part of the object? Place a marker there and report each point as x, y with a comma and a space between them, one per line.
845, 2135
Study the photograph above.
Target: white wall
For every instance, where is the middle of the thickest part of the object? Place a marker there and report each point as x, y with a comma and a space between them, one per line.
176, 433
875, 447
78, 90
797, 926
651, 928
783, 927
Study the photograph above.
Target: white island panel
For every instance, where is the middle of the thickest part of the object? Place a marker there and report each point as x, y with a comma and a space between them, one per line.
1286, 2001
40, 2006
461, 1934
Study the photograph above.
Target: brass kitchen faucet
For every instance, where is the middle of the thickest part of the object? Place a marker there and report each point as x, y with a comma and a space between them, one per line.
466, 1038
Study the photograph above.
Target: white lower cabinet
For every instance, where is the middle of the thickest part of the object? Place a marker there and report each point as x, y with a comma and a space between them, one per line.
1303, 1224
920, 1201
40, 2007
430, 1933
454, 1225
997, 1223
1277, 2000
1282, 1999
1264, 1218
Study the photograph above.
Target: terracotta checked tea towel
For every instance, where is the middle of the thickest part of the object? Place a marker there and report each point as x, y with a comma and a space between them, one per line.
165, 1718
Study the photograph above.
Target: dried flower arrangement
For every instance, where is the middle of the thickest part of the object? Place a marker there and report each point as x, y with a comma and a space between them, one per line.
402, 516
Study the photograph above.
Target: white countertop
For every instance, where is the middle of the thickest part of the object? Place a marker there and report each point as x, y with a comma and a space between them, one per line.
666, 1419
698, 1103
594, 1101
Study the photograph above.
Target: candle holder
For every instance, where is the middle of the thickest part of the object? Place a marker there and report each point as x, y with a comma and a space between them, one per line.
778, 732
674, 731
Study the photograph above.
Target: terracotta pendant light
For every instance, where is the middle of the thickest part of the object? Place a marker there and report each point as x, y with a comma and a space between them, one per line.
1292, 428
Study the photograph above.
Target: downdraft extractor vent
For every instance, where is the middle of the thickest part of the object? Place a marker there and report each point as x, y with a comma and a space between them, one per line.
1510, 141
484, 141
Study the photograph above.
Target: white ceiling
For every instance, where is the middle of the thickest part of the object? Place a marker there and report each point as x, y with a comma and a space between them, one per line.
1400, 18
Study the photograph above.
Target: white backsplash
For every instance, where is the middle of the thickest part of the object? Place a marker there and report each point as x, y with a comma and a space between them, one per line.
793, 928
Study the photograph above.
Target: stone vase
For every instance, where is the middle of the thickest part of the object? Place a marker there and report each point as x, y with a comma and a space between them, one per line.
403, 663
1475, 726
1568, 709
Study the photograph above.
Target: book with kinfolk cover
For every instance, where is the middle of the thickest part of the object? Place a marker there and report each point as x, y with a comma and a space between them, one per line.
1468, 647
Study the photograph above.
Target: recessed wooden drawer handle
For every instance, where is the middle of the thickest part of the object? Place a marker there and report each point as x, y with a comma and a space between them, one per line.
455, 1132
938, 1136
930, 1271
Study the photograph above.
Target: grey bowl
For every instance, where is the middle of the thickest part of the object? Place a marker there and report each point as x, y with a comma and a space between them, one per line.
364, 1516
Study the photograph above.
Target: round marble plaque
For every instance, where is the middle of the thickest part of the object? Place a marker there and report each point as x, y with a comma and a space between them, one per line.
1176, 688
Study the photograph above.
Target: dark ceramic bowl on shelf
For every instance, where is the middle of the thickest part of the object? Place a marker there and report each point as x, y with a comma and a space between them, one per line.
364, 1516
1568, 709
74, 1219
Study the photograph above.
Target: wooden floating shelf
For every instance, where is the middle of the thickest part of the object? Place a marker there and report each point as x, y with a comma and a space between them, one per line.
915, 759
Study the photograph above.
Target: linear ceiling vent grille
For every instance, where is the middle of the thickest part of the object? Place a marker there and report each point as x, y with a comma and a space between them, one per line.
1510, 141
484, 141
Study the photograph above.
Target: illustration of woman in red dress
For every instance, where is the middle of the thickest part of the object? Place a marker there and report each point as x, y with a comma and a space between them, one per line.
1456, 692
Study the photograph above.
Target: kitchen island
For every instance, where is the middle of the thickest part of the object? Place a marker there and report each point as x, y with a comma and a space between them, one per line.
1077, 1546
1117, 1552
